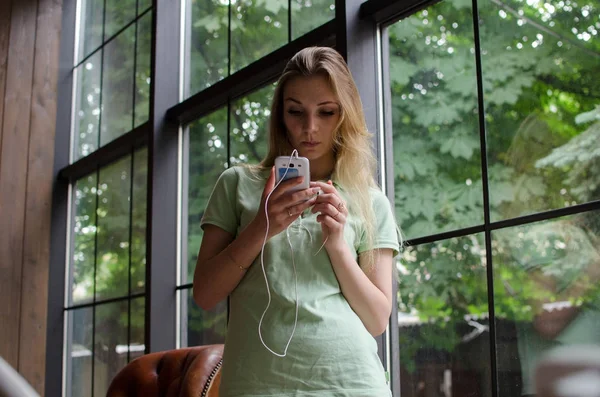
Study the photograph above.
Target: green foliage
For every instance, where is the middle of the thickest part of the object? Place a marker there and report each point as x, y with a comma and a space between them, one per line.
257, 28
109, 254
113, 84
540, 97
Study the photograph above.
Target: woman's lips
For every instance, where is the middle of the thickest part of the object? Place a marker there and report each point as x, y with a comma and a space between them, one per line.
310, 144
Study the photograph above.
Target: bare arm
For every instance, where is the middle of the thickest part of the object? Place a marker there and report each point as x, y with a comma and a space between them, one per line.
222, 262
369, 294
223, 259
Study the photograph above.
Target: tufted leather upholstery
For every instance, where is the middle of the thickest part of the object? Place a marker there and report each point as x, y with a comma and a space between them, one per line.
193, 371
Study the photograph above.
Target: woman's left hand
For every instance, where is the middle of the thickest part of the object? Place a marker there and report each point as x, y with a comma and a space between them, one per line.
333, 213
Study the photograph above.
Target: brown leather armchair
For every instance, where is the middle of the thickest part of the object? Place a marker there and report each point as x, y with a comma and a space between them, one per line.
193, 371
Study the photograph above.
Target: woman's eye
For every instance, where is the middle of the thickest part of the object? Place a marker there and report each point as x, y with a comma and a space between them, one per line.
327, 113
294, 112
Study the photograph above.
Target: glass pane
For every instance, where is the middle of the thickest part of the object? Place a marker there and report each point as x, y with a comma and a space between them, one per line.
540, 67
249, 126
436, 143
207, 160
86, 119
308, 15
79, 352
112, 258
257, 29
139, 209
117, 86
91, 16
443, 318
118, 14
84, 241
138, 323
142, 69
110, 343
207, 43
547, 286
202, 327
143, 5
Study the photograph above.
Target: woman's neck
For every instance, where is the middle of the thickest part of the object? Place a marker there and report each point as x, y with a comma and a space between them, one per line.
321, 169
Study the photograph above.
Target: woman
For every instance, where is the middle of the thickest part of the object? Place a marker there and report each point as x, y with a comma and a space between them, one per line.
325, 305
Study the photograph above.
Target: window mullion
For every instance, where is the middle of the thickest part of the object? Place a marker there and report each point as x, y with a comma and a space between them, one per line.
163, 158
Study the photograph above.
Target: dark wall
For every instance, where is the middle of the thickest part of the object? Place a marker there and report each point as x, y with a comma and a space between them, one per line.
29, 47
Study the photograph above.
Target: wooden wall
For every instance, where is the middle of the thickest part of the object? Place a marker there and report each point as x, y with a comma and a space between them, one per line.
29, 48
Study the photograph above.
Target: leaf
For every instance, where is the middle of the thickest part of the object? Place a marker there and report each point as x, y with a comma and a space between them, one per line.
464, 83
501, 192
529, 186
460, 4
421, 201
273, 6
401, 71
209, 23
522, 80
404, 169
434, 108
460, 146
503, 95
405, 29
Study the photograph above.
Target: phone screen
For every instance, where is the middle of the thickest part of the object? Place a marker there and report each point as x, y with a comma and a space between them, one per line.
291, 173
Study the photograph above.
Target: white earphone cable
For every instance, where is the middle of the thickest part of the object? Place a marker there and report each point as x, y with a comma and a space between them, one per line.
262, 262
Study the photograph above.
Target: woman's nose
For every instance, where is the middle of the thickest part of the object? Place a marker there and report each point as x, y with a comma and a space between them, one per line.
310, 124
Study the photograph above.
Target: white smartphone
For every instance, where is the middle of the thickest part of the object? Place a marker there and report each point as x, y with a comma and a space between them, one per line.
286, 169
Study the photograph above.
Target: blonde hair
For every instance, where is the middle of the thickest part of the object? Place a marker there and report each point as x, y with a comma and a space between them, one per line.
355, 162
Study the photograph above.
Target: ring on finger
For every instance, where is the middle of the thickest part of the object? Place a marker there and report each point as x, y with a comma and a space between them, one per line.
341, 206
336, 215
290, 212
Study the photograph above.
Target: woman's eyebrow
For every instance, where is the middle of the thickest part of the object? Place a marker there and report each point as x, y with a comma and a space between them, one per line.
318, 104
328, 103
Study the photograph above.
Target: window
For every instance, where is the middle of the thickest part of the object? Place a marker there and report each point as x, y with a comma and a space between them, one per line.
106, 299
225, 36
491, 234
212, 148
112, 72
488, 138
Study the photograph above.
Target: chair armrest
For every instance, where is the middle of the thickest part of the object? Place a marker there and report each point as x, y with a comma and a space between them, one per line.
193, 371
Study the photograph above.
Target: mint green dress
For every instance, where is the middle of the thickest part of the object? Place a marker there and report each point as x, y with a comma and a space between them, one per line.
331, 354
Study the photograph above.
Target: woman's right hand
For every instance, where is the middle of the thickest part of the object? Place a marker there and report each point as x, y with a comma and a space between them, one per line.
284, 206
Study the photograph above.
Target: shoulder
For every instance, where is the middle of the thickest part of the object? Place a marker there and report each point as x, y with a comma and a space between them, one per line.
230, 173
244, 180
242, 173
228, 179
378, 197
382, 207
250, 174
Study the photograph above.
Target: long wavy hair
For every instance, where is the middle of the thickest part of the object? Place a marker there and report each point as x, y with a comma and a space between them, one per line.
355, 162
